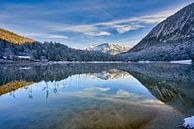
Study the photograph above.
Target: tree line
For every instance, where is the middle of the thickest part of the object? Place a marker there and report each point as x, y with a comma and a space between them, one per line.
51, 51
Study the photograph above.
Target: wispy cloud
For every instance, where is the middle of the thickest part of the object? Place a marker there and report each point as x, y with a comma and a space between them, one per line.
98, 33
125, 28
47, 36
58, 37
120, 25
86, 21
90, 30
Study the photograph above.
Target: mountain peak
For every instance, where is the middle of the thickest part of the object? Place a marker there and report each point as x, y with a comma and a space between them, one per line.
109, 48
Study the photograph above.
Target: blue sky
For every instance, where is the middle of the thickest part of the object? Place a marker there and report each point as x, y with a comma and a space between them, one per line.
81, 23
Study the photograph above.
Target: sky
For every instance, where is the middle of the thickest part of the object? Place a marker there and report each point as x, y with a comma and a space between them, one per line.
82, 23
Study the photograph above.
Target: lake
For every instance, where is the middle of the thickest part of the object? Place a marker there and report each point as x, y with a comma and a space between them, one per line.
95, 95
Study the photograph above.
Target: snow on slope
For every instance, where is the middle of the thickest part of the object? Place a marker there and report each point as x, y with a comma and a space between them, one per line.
189, 123
109, 48
172, 39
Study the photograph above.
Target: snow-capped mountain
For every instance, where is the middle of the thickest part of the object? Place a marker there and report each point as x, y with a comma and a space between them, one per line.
109, 48
172, 39
111, 74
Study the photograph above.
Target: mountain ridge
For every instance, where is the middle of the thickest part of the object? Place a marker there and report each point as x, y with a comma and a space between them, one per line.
172, 39
109, 48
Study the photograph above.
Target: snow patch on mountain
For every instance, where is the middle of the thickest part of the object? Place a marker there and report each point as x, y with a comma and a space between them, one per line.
112, 49
172, 39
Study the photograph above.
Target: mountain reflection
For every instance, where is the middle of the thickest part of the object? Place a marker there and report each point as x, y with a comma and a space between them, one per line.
70, 95
111, 74
172, 84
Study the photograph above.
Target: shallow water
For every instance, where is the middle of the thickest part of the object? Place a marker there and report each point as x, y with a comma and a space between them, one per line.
95, 96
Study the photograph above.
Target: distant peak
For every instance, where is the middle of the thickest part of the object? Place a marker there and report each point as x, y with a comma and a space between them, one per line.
109, 48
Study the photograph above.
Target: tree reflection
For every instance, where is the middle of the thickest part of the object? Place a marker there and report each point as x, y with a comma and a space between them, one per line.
170, 83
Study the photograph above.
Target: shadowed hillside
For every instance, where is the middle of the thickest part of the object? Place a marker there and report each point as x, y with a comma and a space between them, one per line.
170, 83
172, 39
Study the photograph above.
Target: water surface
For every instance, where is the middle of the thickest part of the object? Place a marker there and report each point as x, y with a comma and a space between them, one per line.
95, 96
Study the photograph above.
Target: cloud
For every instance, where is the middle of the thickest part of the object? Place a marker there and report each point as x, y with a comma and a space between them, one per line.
125, 28
99, 10
104, 28
98, 33
93, 24
35, 34
58, 37
47, 36
90, 30
120, 25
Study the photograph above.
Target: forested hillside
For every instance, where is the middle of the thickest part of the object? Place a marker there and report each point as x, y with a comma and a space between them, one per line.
49, 52
14, 47
13, 37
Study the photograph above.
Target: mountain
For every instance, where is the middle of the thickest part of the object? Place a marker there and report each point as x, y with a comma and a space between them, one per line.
170, 83
14, 47
110, 74
14, 38
112, 49
172, 39
49, 51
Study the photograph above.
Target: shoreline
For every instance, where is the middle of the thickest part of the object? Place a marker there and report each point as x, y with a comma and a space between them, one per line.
96, 62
